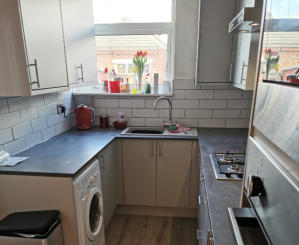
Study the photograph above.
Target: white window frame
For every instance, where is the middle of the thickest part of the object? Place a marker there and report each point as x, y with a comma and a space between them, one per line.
155, 28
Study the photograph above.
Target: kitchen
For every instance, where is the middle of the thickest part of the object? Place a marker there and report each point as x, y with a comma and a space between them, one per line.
174, 125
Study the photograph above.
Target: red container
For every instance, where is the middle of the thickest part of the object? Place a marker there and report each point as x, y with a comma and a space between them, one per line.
114, 86
83, 117
103, 121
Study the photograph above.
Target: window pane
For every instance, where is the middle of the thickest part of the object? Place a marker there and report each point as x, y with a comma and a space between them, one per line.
132, 11
117, 52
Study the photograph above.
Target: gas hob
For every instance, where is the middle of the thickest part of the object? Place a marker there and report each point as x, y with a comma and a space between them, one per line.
228, 166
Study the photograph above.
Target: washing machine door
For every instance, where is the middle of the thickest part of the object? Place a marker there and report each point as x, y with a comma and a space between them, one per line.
94, 213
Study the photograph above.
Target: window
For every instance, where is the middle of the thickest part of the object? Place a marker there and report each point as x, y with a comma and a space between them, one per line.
124, 27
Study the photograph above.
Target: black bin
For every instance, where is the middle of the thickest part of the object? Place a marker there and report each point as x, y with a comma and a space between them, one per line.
31, 228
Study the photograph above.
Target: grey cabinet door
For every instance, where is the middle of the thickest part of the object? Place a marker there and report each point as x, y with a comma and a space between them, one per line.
43, 32
214, 44
80, 44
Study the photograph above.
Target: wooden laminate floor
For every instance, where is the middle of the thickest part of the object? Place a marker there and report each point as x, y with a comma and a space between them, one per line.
151, 230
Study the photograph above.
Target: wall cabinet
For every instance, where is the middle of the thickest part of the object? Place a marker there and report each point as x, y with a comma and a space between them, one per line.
77, 16
159, 172
214, 42
32, 54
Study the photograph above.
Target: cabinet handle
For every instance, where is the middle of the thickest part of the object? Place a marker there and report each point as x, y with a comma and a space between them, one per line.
160, 148
243, 65
199, 200
81, 71
36, 73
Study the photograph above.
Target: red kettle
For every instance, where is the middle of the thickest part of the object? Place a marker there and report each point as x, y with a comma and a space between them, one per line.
83, 117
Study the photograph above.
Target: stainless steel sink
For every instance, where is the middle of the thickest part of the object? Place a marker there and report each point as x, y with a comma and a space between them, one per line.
143, 131
155, 131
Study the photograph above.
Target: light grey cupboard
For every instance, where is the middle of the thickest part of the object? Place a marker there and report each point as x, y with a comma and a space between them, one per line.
111, 178
32, 54
160, 173
77, 16
214, 42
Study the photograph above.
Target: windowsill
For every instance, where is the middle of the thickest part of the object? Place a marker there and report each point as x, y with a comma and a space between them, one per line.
96, 91
92, 93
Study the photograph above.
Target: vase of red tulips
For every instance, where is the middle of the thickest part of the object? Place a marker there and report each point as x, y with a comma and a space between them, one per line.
139, 61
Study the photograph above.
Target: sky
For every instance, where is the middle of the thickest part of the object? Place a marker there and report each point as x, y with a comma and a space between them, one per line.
284, 8
113, 11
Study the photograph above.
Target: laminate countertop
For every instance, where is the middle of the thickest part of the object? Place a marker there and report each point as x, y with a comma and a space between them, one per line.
66, 154
221, 194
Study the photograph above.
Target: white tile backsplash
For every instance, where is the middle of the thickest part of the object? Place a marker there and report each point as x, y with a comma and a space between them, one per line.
27, 121
210, 105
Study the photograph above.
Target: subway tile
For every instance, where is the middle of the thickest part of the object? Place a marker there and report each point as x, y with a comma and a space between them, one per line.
15, 146
228, 94
226, 114
83, 99
111, 112
245, 113
211, 123
216, 86
213, 104
179, 113
100, 111
179, 94
198, 113
137, 122
199, 94
237, 123
46, 110
50, 98
131, 103
184, 84
48, 133
53, 120
62, 127
39, 124
17, 103
239, 104
105, 103
187, 122
9, 119
3, 106
29, 114
21, 130
5, 136
149, 103
37, 100
145, 113
185, 104
33, 139
155, 122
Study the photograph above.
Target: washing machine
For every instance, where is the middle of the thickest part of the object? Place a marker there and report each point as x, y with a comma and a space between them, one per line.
89, 206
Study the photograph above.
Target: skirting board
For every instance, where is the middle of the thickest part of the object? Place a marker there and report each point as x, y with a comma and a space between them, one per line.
157, 211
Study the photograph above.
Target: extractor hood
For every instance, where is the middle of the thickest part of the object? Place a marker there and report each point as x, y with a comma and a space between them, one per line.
247, 20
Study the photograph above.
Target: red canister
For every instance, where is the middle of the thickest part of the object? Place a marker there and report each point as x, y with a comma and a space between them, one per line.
104, 121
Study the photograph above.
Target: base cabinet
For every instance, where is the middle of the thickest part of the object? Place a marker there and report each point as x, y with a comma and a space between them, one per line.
160, 172
111, 177
139, 168
173, 173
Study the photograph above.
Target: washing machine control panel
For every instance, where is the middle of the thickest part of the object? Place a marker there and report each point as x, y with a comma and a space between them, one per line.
88, 179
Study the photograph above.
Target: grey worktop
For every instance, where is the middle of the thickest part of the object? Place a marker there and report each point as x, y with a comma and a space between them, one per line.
221, 194
66, 154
